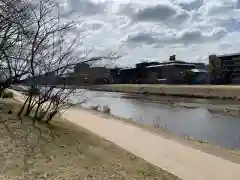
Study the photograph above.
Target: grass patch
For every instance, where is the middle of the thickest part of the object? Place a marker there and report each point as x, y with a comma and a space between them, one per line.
61, 150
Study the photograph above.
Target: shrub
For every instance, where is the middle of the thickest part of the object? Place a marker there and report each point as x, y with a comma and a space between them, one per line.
95, 108
106, 109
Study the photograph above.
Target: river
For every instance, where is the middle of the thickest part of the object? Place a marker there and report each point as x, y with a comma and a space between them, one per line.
197, 123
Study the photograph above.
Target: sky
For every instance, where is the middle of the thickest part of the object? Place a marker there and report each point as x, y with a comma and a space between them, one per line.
153, 30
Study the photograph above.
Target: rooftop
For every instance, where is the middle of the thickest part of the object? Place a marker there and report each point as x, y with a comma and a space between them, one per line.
227, 55
199, 70
166, 63
131, 68
172, 63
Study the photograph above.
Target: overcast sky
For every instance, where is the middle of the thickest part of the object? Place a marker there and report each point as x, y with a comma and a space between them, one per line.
156, 29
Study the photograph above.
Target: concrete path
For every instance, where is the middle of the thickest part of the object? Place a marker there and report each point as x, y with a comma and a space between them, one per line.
182, 161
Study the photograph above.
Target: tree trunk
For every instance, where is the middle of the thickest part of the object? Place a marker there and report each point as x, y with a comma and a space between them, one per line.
1, 91
29, 108
36, 112
23, 107
51, 116
47, 109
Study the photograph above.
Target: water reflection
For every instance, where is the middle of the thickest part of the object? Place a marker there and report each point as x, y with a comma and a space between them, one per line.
198, 123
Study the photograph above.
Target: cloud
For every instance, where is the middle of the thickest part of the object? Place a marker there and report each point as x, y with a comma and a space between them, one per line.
92, 25
157, 13
186, 36
196, 36
86, 7
218, 33
238, 4
190, 36
142, 38
191, 4
154, 29
126, 9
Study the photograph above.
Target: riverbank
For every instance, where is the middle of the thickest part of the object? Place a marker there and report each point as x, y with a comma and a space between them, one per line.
191, 91
63, 150
188, 103
204, 146
174, 157
181, 160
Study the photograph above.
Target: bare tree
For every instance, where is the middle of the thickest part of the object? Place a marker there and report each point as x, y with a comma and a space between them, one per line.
13, 19
60, 102
49, 51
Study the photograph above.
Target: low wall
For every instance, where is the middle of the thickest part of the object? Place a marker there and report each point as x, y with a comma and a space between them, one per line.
197, 91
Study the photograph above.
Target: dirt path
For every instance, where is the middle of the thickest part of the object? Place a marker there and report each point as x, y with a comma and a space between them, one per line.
185, 162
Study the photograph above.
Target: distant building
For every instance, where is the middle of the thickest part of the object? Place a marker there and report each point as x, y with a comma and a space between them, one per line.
45, 79
145, 64
224, 69
114, 74
81, 68
170, 72
84, 74
128, 76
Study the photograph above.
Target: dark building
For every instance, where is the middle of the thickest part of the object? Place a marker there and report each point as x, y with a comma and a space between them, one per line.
137, 74
114, 74
170, 72
81, 68
145, 64
224, 69
46, 79
85, 75
143, 73
128, 76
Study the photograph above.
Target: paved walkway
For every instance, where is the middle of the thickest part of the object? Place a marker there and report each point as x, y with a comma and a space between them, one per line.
183, 161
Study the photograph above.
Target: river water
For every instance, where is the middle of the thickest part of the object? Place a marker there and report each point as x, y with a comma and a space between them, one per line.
197, 123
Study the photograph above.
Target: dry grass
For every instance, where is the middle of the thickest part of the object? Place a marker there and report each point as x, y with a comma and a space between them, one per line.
64, 151
181, 86
7, 94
